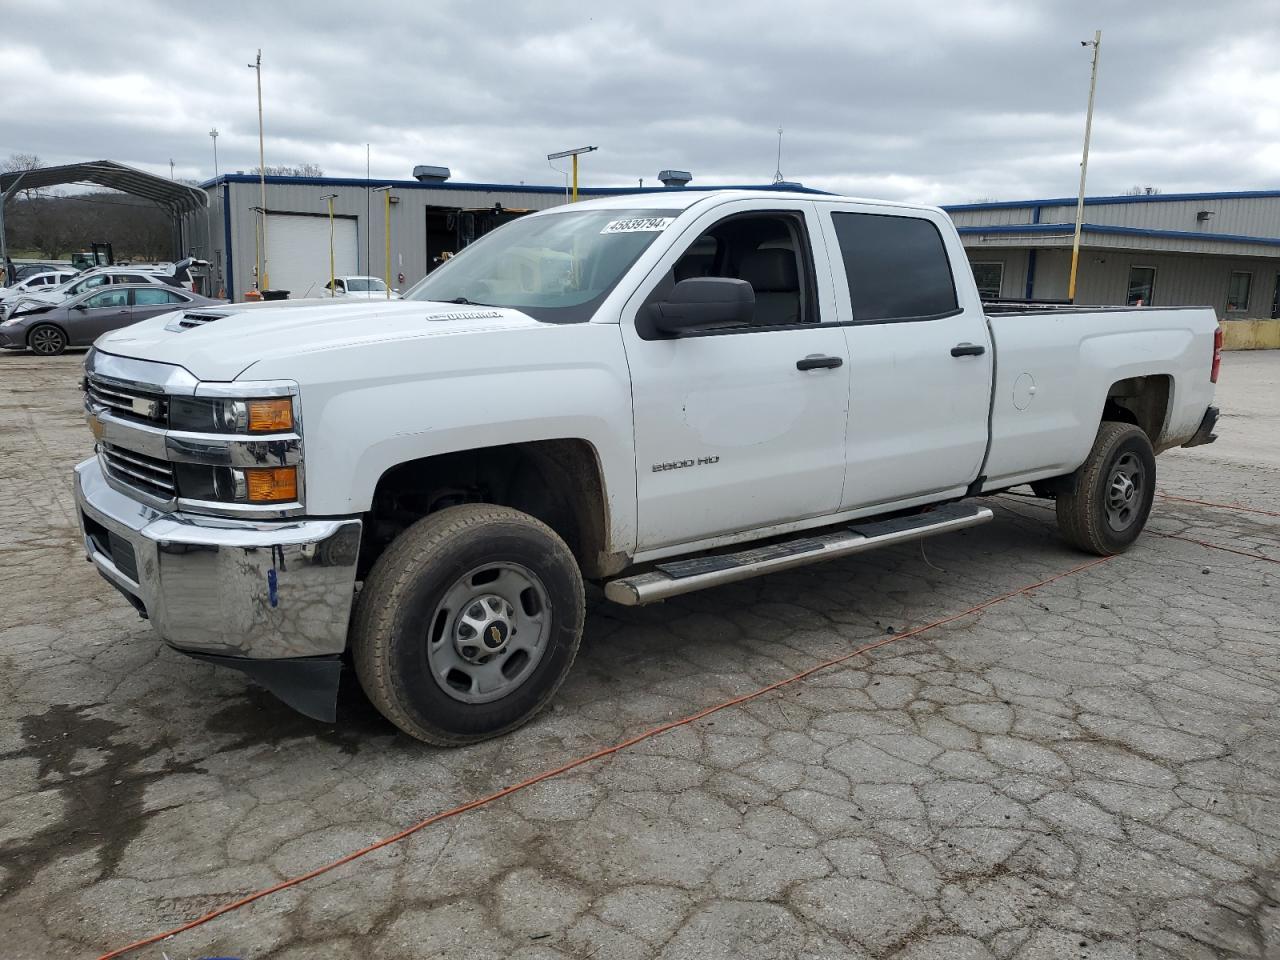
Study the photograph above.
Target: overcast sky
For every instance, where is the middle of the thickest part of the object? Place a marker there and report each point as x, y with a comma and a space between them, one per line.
940, 101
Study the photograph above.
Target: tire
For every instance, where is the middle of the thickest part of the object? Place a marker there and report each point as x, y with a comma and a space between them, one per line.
47, 340
1113, 492
453, 577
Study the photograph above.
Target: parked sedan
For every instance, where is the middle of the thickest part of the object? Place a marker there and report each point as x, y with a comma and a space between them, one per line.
48, 329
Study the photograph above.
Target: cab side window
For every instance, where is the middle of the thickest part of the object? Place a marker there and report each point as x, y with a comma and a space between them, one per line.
897, 268
770, 251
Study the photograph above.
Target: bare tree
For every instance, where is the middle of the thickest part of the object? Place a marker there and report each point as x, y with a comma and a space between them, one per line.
292, 170
54, 227
22, 162
1140, 191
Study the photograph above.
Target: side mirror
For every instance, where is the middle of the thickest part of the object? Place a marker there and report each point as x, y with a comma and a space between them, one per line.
78, 306
704, 303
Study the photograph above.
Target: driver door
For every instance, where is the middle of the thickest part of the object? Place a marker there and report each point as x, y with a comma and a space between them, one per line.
740, 429
103, 311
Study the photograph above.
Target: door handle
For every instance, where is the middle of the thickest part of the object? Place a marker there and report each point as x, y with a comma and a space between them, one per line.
819, 363
968, 350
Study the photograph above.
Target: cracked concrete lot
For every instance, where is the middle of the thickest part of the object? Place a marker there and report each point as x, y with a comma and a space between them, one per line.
1091, 769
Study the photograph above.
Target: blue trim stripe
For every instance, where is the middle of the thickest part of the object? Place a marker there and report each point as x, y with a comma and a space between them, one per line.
1097, 201
490, 187
1120, 231
226, 256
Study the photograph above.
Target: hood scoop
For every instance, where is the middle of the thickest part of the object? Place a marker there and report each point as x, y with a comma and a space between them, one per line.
192, 318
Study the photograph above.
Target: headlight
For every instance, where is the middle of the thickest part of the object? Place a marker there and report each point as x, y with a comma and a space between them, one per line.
259, 485
204, 415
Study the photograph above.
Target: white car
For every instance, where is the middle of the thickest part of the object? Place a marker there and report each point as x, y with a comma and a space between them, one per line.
37, 282
656, 393
361, 288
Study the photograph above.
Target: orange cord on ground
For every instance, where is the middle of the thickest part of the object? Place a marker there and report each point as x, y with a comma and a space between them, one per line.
1216, 546
580, 761
1176, 536
1220, 506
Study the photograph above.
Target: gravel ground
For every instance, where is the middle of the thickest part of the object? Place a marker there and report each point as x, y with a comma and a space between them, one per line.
1090, 769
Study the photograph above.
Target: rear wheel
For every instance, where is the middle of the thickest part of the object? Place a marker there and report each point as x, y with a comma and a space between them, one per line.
1113, 493
47, 340
468, 624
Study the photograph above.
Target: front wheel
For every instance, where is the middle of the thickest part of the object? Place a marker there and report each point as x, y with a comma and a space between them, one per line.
47, 340
468, 624
1114, 489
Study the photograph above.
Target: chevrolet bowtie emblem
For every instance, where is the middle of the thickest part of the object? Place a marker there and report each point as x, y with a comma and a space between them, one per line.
145, 408
496, 634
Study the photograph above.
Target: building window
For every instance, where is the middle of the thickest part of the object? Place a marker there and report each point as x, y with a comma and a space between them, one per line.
1238, 291
989, 277
1142, 284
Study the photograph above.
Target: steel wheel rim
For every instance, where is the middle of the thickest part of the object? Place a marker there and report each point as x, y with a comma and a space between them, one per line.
47, 342
489, 632
1126, 489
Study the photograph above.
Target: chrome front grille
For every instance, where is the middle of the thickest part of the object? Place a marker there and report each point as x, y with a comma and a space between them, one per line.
149, 475
129, 402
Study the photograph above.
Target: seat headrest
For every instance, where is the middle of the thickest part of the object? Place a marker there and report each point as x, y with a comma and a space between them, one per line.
770, 271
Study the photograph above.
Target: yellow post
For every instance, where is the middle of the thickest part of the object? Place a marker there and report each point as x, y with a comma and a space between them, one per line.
1084, 166
575, 179
387, 218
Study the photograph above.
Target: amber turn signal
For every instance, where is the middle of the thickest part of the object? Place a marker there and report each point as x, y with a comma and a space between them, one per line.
270, 416
272, 484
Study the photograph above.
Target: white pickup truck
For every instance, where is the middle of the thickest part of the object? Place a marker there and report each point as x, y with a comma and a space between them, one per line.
658, 393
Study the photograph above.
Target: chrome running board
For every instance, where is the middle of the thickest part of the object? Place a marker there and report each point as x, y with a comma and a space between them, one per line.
672, 578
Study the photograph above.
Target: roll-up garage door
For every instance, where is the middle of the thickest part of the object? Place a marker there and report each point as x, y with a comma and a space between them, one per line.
298, 252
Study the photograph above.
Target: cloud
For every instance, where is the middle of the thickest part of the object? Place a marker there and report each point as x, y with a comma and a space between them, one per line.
907, 100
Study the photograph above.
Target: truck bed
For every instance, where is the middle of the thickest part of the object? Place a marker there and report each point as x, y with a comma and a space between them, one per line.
1056, 364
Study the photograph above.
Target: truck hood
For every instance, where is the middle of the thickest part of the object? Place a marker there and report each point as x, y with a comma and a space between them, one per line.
220, 343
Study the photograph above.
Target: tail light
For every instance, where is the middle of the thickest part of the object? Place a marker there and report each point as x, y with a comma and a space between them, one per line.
1217, 356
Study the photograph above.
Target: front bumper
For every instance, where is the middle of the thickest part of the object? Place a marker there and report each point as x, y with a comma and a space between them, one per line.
224, 589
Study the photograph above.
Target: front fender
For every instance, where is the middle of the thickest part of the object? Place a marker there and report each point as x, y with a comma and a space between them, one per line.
369, 408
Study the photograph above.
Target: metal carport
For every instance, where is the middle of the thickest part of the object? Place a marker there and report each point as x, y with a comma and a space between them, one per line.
175, 198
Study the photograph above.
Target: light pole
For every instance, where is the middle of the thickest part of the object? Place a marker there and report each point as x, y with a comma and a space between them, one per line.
1096, 43
386, 218
332, 285
572, 153
213, 135
262, 176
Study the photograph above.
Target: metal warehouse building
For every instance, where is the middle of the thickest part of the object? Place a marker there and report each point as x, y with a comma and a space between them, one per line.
429, 218
1202, 249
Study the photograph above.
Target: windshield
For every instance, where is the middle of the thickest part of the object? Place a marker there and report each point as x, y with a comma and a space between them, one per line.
556, 267
365, 285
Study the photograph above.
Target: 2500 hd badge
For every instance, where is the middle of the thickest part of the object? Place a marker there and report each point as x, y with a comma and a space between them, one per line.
681, 464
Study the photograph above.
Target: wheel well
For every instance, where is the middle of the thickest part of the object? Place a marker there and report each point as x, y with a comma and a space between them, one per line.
1142, 401
557, 481
46, 323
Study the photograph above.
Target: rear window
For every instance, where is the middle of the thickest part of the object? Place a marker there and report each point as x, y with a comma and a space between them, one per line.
897, 267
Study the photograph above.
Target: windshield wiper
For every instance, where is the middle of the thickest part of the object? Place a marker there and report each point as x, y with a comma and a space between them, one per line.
469, 303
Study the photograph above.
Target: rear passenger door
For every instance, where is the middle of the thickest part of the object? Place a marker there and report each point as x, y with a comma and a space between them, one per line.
920, 355
730, 434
